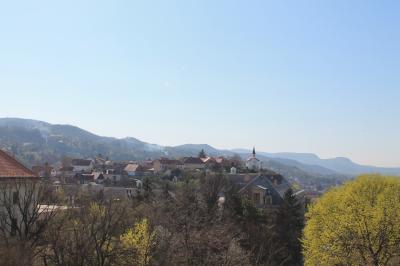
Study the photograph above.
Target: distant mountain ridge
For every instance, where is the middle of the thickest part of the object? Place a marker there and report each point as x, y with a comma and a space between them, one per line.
338, 164
35, 142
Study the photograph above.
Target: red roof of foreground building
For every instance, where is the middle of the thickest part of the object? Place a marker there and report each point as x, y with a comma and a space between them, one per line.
10, 167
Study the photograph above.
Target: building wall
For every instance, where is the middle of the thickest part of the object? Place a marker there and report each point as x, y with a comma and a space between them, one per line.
112, 177
79, 168
160, 167
21, 188
264, 199
253, 164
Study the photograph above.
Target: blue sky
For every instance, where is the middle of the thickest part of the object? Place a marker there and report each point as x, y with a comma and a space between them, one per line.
303, 76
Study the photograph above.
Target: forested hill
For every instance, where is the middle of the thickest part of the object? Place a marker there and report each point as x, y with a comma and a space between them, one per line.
36, 141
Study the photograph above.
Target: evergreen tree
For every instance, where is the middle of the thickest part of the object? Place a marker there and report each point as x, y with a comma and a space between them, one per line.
289, 226
202, 154
147, 187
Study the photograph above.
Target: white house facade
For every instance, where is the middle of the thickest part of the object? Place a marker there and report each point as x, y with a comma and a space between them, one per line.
81, 165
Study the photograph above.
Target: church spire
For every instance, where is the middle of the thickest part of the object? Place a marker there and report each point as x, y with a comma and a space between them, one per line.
254, 152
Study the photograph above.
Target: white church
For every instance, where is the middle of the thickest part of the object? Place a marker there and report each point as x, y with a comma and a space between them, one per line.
253, 163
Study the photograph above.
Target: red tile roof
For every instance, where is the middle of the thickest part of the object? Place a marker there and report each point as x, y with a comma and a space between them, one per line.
10, 167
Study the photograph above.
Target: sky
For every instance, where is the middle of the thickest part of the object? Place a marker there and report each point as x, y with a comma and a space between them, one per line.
299, 76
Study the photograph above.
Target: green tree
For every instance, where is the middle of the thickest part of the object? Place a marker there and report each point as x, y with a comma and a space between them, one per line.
355, 224
289, 227
147, 187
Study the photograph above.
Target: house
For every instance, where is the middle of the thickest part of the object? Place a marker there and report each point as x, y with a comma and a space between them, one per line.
225, 163
82, 178
147, 165
106, 175
117, 168
216, 163
98, 177
133, 169
44, 171
252, 163
222, 160
193, 163
208, 160
99, 162
17, 182
265, 190
66, 172
82, 165
164, 164
113, 175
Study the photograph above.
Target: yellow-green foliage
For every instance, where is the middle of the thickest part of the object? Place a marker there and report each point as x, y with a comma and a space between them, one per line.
96, 210
140, 240
355, 224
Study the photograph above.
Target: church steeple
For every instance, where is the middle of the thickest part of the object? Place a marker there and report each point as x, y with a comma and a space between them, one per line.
254, 152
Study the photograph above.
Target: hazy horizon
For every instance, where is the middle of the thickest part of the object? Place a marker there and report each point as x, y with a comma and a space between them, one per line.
314, 77
249, 149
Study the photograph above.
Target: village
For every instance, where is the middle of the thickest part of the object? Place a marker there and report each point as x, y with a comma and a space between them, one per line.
120, 180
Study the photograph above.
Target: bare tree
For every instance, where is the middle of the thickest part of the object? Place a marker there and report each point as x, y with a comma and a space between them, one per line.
26, 210
25, 213
195, 234
88, 235
211, 186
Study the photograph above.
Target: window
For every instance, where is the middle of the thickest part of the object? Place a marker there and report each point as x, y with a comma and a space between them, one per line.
15, 197
256, 198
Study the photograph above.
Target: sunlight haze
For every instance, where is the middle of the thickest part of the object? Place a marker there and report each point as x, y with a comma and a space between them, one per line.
318, 76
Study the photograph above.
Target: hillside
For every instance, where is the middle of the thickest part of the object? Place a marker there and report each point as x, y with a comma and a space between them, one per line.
35, 142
